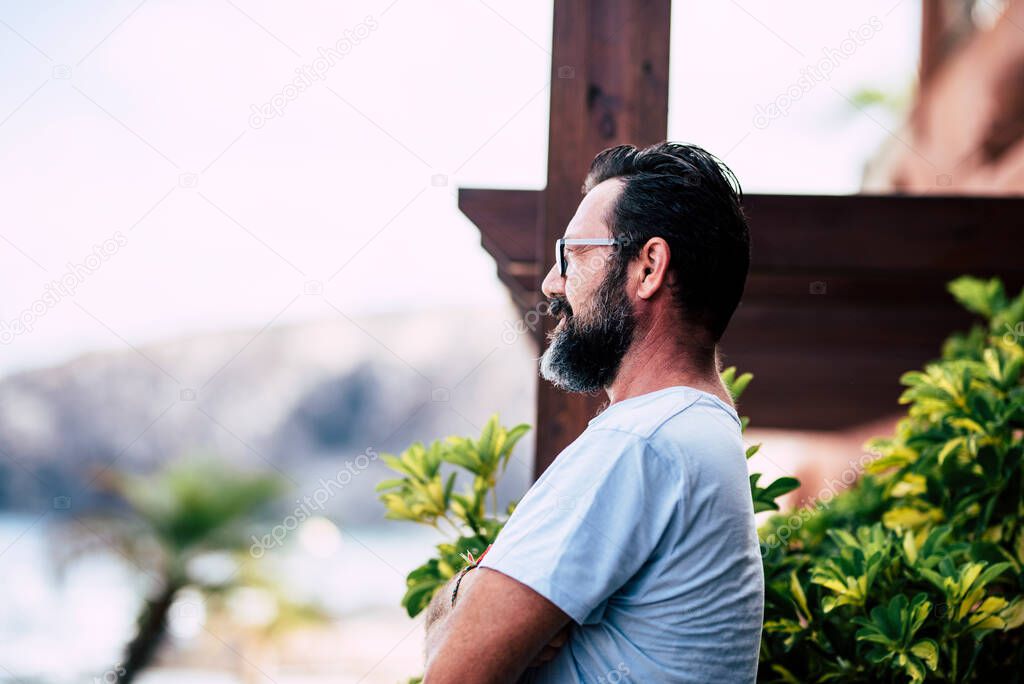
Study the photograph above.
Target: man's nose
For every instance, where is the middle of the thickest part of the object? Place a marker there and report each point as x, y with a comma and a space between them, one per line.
554, 283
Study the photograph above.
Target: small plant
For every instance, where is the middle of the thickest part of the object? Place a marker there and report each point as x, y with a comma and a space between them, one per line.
426, 495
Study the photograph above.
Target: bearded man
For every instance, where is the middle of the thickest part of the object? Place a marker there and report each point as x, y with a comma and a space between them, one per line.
634, 557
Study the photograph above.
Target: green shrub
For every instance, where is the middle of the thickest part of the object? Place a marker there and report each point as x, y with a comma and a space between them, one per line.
915, 573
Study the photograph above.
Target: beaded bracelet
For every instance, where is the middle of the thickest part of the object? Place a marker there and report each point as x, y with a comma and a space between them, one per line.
473, 563
458, 581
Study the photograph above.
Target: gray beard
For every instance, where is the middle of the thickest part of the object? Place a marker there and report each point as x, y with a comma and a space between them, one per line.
586, 357
556, 367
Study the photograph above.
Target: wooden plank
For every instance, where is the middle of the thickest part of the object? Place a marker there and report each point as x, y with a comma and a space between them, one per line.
951, 234
915, 241
508, 221
933, 30
831, 369
878, 289
803, 391
792, 329
609, 85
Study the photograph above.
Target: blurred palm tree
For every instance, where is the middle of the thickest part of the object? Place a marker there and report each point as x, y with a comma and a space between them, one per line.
189, 508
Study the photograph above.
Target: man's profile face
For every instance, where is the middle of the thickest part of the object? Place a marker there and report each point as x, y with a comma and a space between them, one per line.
596, 321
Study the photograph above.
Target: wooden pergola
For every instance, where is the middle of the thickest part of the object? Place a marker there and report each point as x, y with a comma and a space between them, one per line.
845, 292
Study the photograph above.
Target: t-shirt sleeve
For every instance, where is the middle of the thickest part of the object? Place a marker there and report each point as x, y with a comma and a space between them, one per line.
591, 522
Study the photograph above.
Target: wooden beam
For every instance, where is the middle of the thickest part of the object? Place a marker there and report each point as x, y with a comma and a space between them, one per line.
885, 232
609, 85
508, 221
934, 25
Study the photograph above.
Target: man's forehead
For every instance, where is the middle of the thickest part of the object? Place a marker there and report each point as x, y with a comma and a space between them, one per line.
591, 218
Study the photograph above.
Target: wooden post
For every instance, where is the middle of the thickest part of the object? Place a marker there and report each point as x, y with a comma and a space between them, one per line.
935, 38
609, 85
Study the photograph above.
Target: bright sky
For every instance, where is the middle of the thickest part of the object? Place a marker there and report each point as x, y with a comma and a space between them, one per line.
131, 124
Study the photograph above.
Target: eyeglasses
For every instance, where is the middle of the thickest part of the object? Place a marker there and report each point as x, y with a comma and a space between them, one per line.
560, 244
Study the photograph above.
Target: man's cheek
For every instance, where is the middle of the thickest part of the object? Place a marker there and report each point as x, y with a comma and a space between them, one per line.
576, 295
573, 283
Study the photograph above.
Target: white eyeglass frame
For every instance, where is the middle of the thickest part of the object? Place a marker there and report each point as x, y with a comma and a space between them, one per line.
560, 244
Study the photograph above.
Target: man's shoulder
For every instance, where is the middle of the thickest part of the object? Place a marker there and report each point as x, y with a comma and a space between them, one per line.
660, 434
662, 414
681, 430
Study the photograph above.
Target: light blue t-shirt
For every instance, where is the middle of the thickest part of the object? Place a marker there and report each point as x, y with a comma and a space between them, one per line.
642, 531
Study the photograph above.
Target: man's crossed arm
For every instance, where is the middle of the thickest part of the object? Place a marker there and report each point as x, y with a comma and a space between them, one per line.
497, 628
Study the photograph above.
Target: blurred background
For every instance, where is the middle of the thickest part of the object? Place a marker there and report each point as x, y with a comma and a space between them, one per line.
234, 273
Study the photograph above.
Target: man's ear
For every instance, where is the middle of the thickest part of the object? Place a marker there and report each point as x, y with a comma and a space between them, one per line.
653, 262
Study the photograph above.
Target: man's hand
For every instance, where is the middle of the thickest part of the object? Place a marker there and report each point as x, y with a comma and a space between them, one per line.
549, 652
497, 629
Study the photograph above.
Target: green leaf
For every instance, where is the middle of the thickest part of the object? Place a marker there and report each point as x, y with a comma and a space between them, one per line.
799, 596
983, 297
928, 651
389, 484
735, 385
781, 486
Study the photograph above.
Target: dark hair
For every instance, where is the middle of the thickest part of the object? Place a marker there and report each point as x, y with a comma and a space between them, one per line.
691, 199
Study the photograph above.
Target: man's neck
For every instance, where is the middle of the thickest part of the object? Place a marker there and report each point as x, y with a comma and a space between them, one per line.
654, 363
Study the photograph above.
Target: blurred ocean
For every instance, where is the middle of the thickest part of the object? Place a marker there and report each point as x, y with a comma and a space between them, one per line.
67, 620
